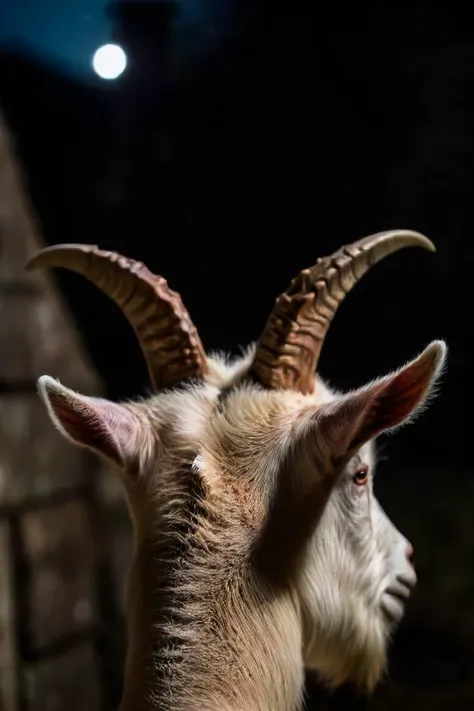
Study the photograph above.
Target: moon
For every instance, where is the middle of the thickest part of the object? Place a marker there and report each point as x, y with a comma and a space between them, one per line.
109, 61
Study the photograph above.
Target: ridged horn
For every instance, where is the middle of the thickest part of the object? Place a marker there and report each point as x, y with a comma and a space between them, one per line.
167, 336
288, 351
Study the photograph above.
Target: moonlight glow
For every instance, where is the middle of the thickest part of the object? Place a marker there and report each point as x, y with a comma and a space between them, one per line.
109, 61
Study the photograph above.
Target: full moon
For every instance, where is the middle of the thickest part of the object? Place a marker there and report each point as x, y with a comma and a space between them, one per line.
109, 61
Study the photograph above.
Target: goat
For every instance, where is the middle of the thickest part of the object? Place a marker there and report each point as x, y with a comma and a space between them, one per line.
260, 548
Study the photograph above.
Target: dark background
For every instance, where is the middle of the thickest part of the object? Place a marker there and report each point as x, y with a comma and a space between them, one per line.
231, 155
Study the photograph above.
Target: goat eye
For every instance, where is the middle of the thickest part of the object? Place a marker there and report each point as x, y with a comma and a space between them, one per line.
361, 476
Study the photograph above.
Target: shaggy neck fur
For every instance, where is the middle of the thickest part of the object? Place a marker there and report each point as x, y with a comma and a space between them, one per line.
194, 602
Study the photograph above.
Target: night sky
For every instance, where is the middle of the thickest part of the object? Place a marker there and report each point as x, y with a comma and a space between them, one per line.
66, 33
283, 136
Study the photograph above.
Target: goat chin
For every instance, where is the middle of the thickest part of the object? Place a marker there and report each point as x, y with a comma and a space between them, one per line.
356, 657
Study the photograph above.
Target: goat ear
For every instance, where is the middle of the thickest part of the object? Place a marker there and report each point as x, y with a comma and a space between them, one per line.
383, 405
103, 426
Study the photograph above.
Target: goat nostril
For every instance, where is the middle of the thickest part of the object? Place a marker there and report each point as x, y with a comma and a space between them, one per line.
410, 554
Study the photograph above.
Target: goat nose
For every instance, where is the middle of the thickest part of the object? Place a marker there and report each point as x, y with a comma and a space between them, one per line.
410, 554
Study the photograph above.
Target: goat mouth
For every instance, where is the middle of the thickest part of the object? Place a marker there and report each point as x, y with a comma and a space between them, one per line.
393, 601
399, 592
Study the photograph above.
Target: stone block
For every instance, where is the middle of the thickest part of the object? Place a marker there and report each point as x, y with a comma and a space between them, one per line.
60, 565
9, 653
70, 682
38, 339
35, 459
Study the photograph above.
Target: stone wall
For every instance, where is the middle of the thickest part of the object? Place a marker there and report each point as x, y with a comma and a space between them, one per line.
57, 612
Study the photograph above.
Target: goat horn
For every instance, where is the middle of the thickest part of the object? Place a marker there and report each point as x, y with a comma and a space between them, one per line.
288, 351
167, 336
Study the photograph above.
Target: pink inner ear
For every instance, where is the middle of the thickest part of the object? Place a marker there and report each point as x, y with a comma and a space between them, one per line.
83, 425
395, 399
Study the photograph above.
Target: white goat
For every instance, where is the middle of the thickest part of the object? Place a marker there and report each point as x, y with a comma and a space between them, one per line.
259, 545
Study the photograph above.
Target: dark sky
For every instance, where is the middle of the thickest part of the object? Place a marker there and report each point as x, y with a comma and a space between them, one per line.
66, 33
301, 132
296, 135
